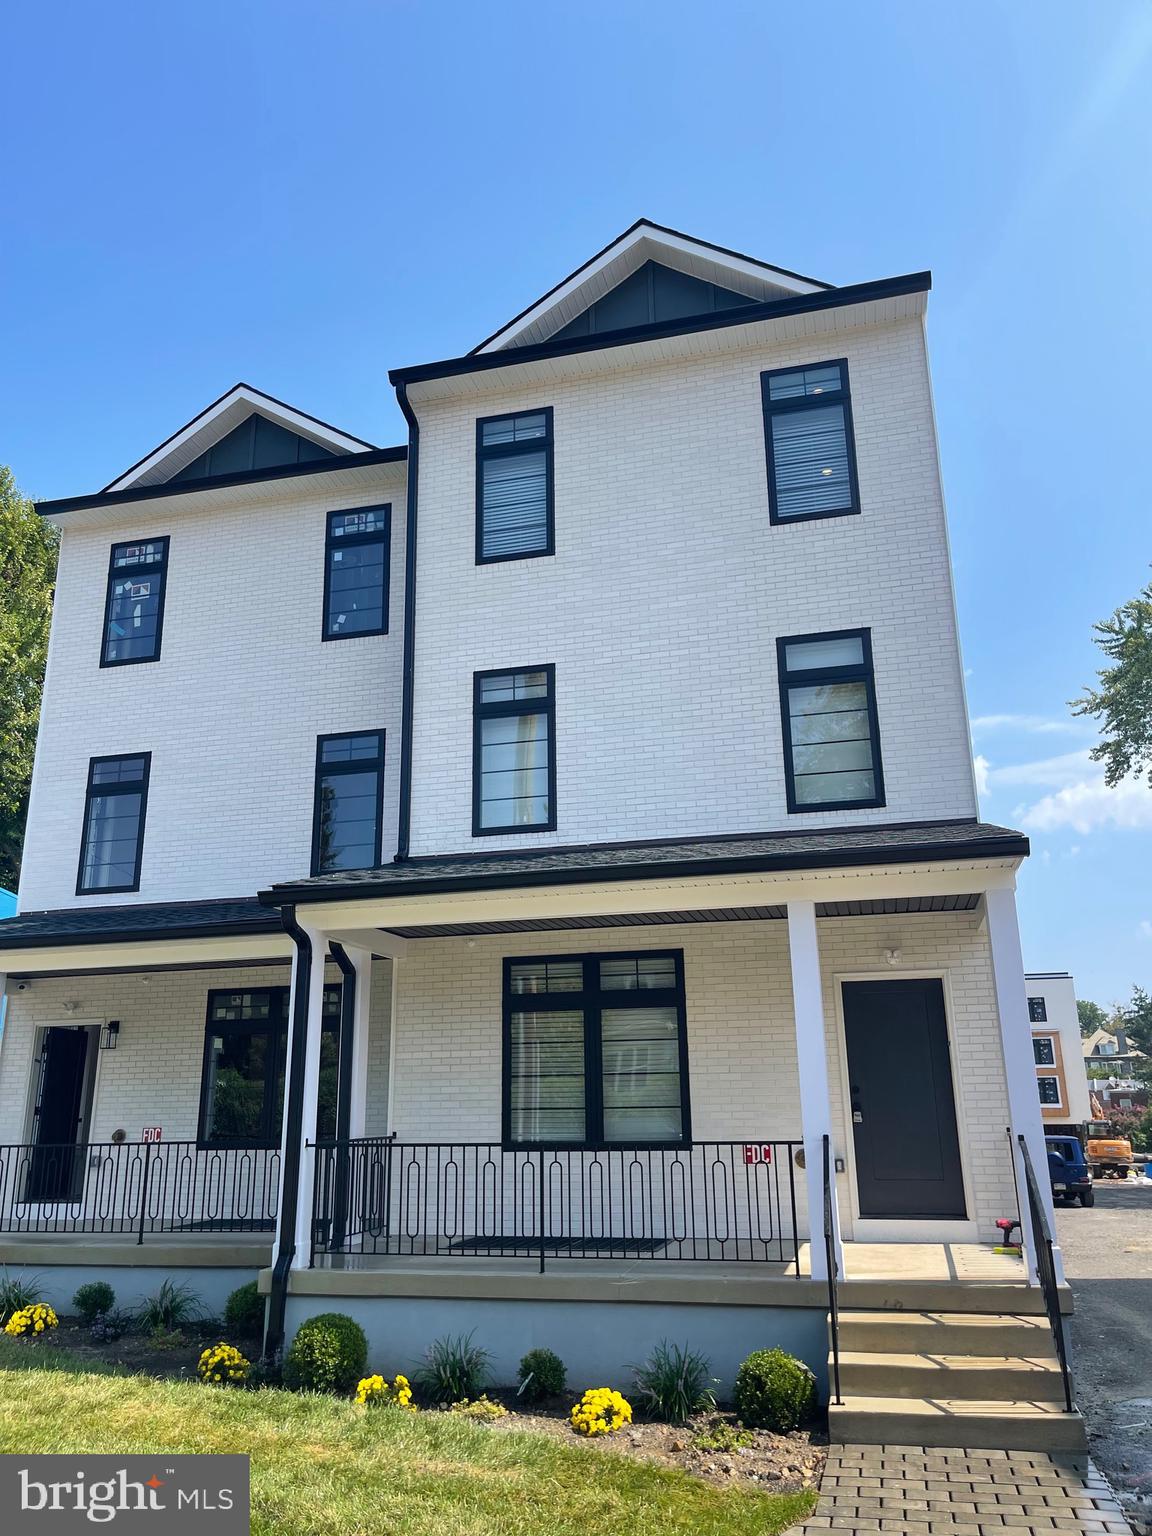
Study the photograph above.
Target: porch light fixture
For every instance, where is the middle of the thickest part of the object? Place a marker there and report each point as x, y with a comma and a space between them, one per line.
110, 1035
893, 956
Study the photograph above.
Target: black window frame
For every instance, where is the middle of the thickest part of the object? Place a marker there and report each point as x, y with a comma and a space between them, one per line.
91, 792
481, 711
152, 567
591, 1001
1050, 1042
1050, 1077
509, 450
864, 672
279, 1027
771, 408
354, 765
333, 542
1038, 1010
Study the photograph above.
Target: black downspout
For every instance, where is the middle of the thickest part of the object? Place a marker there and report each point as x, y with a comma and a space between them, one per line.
340, 1189
404, 821
293, 1131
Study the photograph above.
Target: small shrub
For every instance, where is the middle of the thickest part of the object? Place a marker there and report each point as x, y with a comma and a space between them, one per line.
30, 1321
774, 1391
601, 1411
110, 1326
16, 1293
378, 1391
673, 1382
171, 1308
723, 1436
454, 1368
482, 1408
542, 1374
244, 1310
328, 1354
223, 1365
92, 1299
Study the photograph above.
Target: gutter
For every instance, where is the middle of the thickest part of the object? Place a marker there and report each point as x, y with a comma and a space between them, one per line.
404, 817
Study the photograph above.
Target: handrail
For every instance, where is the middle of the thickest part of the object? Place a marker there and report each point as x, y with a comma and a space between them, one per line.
833, 1270
1042, 1243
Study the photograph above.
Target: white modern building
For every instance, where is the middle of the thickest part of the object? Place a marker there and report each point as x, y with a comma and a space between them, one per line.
1061, 1078
474, 883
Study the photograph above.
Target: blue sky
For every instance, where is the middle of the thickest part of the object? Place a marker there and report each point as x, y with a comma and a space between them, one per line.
302, 196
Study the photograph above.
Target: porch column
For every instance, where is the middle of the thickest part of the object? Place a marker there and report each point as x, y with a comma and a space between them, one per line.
311, 1093
812, 1065
1019, 1064
358, 1088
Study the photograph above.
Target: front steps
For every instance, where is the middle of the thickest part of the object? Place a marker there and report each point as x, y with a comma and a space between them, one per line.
978, 1380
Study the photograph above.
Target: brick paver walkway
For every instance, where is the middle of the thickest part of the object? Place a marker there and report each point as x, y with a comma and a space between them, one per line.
907, 1490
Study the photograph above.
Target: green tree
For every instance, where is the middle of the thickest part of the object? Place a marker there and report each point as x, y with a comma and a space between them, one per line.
1136, 1020
27, 577
1092, 1016
1123, 702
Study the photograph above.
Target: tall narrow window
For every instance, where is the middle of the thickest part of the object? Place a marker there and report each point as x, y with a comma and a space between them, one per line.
134, 609
831, 735
514, 486
356, 573
811, 453
513, 751
349, 810
1038, 1010
113, 837
595, 1050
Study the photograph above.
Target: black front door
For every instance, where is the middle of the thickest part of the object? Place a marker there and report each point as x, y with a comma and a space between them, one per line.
57, 1158
903, 1109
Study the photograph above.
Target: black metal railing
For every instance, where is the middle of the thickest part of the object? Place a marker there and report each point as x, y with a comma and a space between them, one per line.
138, 1188
710, 1201
833, 1268
1041, 1245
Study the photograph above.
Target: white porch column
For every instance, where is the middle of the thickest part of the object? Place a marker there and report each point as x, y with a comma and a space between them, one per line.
311, 1094
1019, 1063
812, 1064
358, 1115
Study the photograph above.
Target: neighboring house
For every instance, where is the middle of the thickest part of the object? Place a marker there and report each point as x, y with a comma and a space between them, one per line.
565, 818
1110, 1051
1061, 1081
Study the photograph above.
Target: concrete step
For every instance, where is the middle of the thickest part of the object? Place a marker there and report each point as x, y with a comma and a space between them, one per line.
1001, 1378
898, 1295
957, 1423
946, 1333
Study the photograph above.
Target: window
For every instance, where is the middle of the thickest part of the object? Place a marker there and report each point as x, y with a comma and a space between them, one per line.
831, 733
514, 486
113, 837
1049, 1090
1037, 1010
245, 1047
808, 433
1043, 1051
595, 1050
349, 809
134, 609
356, 573
513, 751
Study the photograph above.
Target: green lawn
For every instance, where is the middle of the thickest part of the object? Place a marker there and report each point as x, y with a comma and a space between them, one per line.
322, 1468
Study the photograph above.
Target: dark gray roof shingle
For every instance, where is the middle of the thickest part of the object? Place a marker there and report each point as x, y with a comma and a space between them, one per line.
137, 920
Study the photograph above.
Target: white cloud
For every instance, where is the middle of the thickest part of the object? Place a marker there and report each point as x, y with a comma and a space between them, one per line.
1046, 772
1088, 804
1146, 928
1039, 725
981, 765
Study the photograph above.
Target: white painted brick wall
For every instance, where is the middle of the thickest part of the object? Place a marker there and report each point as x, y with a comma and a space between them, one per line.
662, 605
230, 712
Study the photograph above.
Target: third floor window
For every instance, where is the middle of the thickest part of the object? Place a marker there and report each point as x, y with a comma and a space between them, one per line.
514, 486
134, 609
808, 432
356, 573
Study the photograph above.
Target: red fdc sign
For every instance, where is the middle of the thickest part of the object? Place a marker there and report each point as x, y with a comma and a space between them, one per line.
151, 1133
757, 1152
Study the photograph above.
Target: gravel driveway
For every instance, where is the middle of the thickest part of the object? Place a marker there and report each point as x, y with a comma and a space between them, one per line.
1108, 1262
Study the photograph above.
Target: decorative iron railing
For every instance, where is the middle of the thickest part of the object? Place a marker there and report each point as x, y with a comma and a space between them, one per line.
1042, 1244
713, 1200
833, 1267
138, 1188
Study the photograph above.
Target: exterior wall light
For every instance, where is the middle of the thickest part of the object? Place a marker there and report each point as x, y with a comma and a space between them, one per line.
110, 1035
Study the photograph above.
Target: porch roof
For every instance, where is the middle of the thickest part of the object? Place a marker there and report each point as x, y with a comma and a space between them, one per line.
909, 843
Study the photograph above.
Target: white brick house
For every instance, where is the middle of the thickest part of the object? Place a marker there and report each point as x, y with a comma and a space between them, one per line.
574, 872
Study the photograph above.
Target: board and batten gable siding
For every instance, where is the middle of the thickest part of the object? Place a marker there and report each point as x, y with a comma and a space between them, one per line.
741, 1034
230, 712
669, 587
153, 1076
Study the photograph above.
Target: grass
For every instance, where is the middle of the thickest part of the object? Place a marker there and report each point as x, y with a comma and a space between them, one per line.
321, 1467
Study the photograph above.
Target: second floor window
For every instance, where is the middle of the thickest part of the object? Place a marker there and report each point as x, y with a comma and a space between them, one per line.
811, 454
356, 573
1038, 1010
1043, 1051
514, 486
349, 811
134, 609
113, 837
831, 734
513, 751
